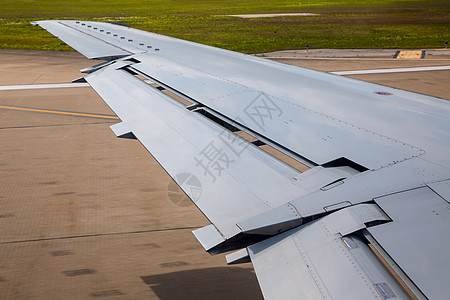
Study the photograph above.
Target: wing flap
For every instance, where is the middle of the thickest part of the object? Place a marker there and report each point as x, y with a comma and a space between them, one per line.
234, 178
421, 220
324, 260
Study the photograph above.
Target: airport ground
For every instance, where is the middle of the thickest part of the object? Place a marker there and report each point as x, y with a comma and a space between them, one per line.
84, 214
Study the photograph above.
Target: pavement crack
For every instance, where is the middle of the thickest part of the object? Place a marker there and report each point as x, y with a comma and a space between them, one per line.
99, 235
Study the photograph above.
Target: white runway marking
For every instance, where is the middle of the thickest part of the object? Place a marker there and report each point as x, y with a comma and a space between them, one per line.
357, 72
41, 86
394, 70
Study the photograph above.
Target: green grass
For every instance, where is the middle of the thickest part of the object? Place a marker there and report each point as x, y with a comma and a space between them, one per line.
342, 23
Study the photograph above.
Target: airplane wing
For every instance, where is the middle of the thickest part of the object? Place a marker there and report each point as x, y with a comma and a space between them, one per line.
366, 217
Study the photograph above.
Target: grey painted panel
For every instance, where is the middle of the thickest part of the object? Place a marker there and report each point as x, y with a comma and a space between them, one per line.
418, 239
120, 129
286, 216
238, 257
319, 177
273, 221
314, 262
208, 236
312, 134
372, 184
240, 181
281, 272
88, 45
359, 188
442, 188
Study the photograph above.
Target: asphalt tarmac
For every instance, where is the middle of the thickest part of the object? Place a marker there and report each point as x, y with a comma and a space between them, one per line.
85, 215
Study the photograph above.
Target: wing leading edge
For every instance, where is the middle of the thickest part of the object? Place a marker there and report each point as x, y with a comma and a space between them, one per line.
341, 229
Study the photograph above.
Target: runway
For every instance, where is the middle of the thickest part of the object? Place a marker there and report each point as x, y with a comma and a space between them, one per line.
84, 214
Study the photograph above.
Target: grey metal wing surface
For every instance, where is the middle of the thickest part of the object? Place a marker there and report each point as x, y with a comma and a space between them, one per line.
370, 217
